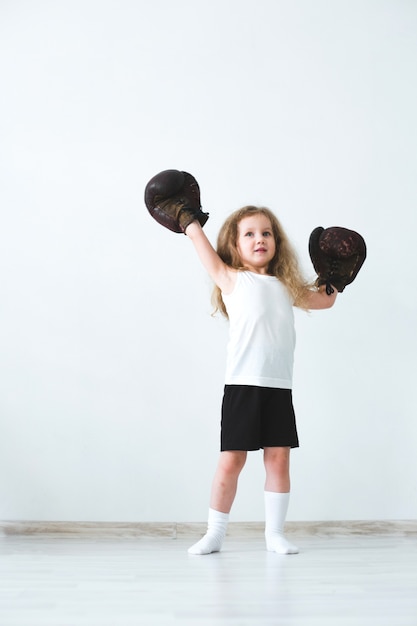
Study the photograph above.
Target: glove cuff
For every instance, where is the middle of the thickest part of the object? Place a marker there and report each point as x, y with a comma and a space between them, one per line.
187, 216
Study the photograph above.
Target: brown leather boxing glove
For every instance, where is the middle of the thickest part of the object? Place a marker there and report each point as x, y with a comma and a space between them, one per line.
173, 199
337, 255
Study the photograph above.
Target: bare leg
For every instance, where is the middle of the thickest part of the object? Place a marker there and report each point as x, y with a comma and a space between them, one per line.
222, 496
277, 495
277, 468
224, 487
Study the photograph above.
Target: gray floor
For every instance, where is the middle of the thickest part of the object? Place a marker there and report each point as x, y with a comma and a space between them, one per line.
348, 580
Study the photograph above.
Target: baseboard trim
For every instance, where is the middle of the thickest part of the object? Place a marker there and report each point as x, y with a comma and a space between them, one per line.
168, 530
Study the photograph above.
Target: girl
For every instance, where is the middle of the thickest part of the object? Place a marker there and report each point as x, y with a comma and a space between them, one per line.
257, 283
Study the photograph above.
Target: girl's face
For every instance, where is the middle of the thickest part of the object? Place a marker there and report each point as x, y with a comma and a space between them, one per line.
256, 243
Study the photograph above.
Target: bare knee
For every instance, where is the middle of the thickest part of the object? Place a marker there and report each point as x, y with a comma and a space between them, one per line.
278, 458
232, 462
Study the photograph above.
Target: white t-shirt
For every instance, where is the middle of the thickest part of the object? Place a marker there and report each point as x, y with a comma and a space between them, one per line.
262, 334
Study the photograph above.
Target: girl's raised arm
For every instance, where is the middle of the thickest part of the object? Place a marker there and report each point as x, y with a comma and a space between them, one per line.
319, 299
222, 274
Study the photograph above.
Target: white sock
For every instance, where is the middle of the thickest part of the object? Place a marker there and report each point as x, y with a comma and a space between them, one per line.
216, 531
276, 506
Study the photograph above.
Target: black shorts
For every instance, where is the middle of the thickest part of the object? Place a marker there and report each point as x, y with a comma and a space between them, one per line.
257, 417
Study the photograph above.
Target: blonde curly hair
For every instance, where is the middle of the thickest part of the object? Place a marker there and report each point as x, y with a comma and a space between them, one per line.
284, 265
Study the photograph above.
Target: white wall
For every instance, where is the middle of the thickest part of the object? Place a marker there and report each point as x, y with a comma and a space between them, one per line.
111, 366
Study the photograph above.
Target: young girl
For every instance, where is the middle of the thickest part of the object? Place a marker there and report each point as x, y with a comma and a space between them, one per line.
257, 283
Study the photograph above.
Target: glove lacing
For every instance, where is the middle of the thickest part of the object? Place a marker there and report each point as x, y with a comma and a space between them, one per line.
334, 271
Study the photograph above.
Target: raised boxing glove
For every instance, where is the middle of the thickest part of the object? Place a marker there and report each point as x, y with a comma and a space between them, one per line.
337, 255
172, 198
